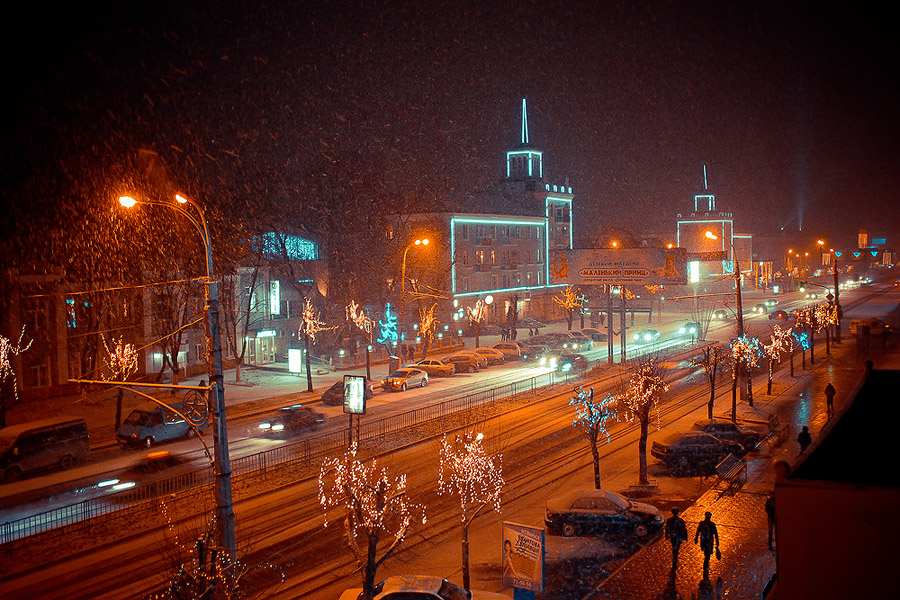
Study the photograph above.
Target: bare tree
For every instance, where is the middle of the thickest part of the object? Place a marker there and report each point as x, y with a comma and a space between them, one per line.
591, 417
175, 308
236, 301
710, 358
639, 398
475, 477
377, 506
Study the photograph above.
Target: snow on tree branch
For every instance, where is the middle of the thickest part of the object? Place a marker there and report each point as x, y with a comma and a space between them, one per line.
469, 472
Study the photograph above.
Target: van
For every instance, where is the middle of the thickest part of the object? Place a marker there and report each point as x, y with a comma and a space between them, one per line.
147, 426
40, 445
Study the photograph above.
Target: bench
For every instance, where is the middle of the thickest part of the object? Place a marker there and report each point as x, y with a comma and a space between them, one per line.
778, 430
733, 471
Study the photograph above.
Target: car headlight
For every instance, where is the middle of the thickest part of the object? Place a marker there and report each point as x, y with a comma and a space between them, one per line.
278, 427
693, 330
637, 337
265, 426
567, 367
647, 337
658, 519
682, 331
543, 360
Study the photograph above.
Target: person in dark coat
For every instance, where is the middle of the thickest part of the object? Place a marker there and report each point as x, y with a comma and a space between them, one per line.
707, 534
829, 397
770, 515
804, 438
676, 532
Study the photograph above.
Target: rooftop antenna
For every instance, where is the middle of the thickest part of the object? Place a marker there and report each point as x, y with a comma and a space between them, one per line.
524, 123
705, 186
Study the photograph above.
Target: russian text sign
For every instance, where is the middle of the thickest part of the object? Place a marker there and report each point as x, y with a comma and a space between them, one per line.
605, 266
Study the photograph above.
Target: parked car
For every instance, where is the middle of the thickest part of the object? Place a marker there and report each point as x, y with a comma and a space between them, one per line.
595, 334
420, 587
293, 419
509, 350
39, 445
494, 357
760, 308
691, 329
404, 378
334, 396
587, 511
482, 359
535, 351
646, 336
578, 343
463, 363
436, 367
720, 314
693, 450
770, 302
145, 427
779, 314
726, 430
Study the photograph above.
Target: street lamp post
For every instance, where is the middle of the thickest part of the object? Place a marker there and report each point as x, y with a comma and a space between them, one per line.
222, 462
423, 242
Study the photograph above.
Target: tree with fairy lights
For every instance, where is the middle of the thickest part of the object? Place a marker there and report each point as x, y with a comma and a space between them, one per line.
427, 322
475, 477
638, 400
357, 316
9, 389
121, 361
570, 299
781, 342
310, 326
377, 506
745, 352
477, 315
592, 418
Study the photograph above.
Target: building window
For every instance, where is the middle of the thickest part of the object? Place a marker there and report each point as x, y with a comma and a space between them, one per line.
493, 258
465, 284
493, 282
479, 257
464, 256
528, 279
463, 232
537, 233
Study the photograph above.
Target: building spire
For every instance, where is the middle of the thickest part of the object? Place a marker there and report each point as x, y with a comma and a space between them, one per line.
705, 185
524, 123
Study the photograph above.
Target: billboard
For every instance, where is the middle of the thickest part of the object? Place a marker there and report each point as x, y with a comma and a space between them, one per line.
355, 394
616, 266
523, 557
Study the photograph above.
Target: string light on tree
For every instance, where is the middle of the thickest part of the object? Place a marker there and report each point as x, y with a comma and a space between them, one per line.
638, 400
6, 351
121, 360
592, 417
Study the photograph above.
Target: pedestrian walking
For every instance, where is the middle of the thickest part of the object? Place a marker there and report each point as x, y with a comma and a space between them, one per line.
829, 397
804, 438
676, 533
707, 534
770, 515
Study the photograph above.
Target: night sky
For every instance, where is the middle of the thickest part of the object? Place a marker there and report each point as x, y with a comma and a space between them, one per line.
792, 106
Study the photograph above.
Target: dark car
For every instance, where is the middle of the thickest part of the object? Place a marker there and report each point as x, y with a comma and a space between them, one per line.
578, 343
720, 314
463, 363
646, 336
421, 587
595, 334
760, 308
779, 314
770, 302
535, 351
726, 430
292, 419
589, 511
405, 378
693, 450
334, 396
563, 362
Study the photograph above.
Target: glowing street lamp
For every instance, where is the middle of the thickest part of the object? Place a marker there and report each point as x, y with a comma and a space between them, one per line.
222, 489
420, 243
737, 282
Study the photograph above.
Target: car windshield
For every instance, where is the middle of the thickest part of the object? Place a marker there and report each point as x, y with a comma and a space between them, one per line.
6, 443
399, 373
138, 417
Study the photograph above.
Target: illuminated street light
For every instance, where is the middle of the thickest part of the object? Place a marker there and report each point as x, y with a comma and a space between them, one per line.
614, 244
422, 242
222, 462
737, 282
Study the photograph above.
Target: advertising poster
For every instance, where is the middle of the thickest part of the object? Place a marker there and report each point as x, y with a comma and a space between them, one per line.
619, 266
355, 394
522, 559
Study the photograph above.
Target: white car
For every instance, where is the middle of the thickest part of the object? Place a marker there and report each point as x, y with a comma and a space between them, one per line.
421, 587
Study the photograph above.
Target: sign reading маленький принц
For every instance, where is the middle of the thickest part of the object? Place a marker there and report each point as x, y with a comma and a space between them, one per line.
606, 266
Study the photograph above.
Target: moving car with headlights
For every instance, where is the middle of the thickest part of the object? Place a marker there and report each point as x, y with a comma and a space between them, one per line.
334, 396
760, 308
509, 350
145, 427
405, 378
770, 302
588, 511
693, 450
420, 587
39, 445
494, 357
691, 329
563, 362
463, 363
720, 314
646, 336
293, 419
534, 351
812, 295
436, 367
578, 343
726, 430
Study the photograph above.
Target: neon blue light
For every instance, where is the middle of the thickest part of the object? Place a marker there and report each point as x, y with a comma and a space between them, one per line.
838, 254
388, 326
524, 123
295, 247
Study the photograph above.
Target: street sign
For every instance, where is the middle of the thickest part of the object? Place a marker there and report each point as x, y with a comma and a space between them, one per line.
355, 394
606, 266
715, 256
